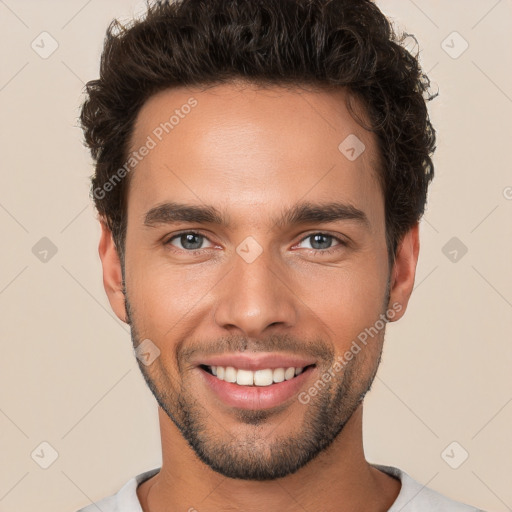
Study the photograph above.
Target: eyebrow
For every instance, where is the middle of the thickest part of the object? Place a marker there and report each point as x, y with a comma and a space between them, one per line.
300, 213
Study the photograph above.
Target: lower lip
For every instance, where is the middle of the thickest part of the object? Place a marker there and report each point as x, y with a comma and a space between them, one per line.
256, 397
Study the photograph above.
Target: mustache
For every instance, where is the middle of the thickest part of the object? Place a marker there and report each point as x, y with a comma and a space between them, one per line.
317, 348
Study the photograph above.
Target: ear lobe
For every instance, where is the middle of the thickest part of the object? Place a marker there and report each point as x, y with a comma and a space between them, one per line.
404, 271
112, 273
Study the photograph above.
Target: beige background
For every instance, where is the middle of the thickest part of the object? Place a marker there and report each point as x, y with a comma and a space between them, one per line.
68, 376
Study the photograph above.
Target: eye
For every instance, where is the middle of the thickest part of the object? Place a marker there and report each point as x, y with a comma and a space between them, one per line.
189, 241
192, 242
322, 242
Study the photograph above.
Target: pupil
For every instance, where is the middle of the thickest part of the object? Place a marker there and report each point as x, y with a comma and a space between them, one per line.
188, 239
317, 239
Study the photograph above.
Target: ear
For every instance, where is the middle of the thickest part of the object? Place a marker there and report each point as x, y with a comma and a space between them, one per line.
404, 271
112, 274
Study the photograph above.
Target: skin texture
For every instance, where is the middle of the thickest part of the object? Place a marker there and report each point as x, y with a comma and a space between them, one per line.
252, 153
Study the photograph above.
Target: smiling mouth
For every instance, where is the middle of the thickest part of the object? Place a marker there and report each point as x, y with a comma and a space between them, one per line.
256, 378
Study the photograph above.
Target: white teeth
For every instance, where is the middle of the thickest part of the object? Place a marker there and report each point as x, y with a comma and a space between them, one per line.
289, 373
264, 377
230, 374
278, 375
245, 377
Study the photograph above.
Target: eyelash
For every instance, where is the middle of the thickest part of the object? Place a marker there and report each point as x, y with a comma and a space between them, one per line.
196, 252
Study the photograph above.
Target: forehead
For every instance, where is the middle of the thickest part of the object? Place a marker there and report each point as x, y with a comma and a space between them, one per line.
246, 146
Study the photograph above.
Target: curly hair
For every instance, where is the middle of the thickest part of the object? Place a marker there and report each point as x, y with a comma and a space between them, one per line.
346, 44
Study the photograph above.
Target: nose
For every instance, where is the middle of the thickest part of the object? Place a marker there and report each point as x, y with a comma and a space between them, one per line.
255, 296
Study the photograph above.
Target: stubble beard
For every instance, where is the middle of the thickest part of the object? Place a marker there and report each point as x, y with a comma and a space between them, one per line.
252, 452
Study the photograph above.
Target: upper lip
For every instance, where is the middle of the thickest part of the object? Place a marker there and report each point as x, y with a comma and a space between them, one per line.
256, 361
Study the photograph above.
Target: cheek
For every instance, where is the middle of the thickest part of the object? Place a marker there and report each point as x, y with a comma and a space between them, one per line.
345, 300
337, 301
163, 296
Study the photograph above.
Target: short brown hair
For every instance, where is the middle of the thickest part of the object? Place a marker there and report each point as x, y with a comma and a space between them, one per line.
334, 43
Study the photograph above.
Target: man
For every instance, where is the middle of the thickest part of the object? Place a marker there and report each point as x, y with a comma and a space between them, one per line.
261, 169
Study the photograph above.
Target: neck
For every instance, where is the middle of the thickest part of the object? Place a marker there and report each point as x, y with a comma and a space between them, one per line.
340, 474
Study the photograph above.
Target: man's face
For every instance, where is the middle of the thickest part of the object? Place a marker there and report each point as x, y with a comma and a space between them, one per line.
297, 294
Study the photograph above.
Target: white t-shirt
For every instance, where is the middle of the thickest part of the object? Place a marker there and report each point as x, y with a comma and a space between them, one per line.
413, 496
